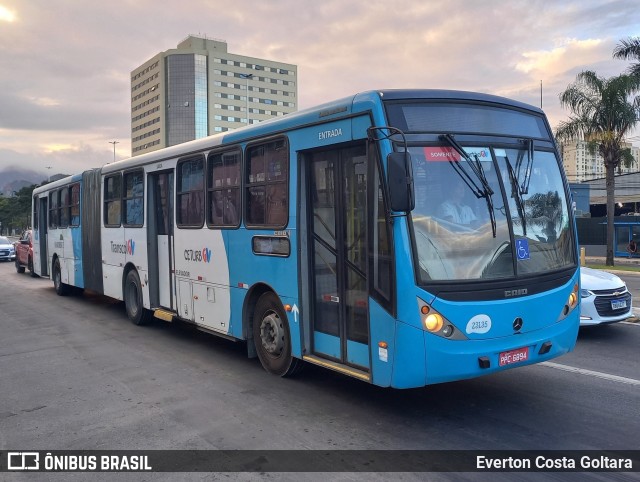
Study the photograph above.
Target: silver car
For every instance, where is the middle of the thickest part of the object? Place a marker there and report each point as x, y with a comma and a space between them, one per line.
7, 250
605, 298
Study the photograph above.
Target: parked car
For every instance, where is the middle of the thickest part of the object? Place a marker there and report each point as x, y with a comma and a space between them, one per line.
7, 250
605, 298
24, 253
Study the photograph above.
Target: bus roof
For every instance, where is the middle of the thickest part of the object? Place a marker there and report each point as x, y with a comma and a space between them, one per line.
336, 109
58, 183
434, 94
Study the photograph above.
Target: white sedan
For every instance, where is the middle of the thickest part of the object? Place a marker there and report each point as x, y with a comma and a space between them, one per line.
7, 250
605, 298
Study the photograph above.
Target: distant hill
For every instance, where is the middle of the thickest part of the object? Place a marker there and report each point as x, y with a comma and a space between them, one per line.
15, 178
14, 186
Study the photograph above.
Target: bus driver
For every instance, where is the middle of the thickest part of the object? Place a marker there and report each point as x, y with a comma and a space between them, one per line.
454, 210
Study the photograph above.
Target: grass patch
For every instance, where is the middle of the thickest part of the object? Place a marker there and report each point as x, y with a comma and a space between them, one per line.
617, 267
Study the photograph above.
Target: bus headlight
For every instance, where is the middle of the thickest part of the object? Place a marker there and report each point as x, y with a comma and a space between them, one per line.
573, 297
572, 302
435, 323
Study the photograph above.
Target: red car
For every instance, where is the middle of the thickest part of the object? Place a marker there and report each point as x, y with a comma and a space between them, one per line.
24, 253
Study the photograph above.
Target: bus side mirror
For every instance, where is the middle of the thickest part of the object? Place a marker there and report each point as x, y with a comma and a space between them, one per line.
400, 177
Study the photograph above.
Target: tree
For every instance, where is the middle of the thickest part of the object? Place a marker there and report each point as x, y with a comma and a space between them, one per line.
629, 49
15, 211
603, 112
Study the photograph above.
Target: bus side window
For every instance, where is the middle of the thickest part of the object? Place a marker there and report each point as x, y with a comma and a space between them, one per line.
190, 193
53, 209
267, 193
112, 200
75, 205
223, 189
133, 199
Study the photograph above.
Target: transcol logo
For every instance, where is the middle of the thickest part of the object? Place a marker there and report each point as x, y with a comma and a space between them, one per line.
203, 255
128, 248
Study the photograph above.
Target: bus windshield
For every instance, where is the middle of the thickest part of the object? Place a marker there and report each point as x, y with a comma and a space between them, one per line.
517, 225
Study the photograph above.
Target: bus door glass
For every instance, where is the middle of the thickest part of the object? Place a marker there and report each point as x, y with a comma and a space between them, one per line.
43, 209
160, 236
338, 237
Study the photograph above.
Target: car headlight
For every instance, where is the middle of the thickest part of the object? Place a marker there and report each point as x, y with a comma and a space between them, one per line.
585, 293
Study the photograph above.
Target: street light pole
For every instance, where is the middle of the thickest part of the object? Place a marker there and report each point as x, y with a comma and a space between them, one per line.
114, 149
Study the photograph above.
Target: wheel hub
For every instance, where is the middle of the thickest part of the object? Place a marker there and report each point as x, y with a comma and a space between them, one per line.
272, 334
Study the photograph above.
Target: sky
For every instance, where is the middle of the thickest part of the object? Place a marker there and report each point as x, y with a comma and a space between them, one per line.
65, 64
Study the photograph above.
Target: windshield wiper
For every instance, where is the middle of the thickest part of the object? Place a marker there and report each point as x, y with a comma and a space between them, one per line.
476, 167
517, 194
492, 215
524, 186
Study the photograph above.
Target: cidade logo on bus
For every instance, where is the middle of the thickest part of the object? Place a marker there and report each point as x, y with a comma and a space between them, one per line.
203, 255
128, 248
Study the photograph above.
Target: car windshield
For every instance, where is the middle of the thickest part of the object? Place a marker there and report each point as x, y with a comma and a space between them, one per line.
518, 225
4, 240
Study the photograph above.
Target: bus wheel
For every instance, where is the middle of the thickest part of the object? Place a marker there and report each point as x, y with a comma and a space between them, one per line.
61, 288
133, 299
272, 338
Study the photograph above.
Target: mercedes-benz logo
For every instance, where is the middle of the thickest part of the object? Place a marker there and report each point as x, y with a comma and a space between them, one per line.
517, 324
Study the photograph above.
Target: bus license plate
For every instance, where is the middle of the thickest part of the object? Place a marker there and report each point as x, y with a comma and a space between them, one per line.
514, 356
618, 304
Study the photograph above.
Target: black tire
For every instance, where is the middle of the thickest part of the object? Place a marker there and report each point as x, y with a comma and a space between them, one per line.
30, 266
19, 267
272, 337
132, 295
61, 288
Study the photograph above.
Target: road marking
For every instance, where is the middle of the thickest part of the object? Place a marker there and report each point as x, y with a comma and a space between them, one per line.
591, 373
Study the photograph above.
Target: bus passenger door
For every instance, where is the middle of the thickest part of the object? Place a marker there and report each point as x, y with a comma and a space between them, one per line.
338, 244
41, 242
160, 238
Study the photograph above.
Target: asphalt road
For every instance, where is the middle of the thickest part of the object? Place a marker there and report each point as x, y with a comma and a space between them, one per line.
76, 374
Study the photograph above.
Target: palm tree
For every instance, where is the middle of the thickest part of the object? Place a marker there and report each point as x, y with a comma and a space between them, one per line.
629, 49
604, 112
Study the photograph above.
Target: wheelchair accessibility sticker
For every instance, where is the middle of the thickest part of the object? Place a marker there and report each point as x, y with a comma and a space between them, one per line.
522, 249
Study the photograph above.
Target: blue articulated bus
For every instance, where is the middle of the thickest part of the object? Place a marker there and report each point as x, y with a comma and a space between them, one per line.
401, 237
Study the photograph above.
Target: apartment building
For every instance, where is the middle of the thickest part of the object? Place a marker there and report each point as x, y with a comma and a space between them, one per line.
200, 88
581, 165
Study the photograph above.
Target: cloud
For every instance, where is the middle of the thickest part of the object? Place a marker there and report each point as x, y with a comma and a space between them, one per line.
65, 77
56, 159
570, 54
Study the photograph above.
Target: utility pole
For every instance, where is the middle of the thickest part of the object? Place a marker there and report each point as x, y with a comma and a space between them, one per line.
540, 95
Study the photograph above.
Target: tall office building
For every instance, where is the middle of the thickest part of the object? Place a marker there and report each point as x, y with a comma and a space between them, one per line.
199, 89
